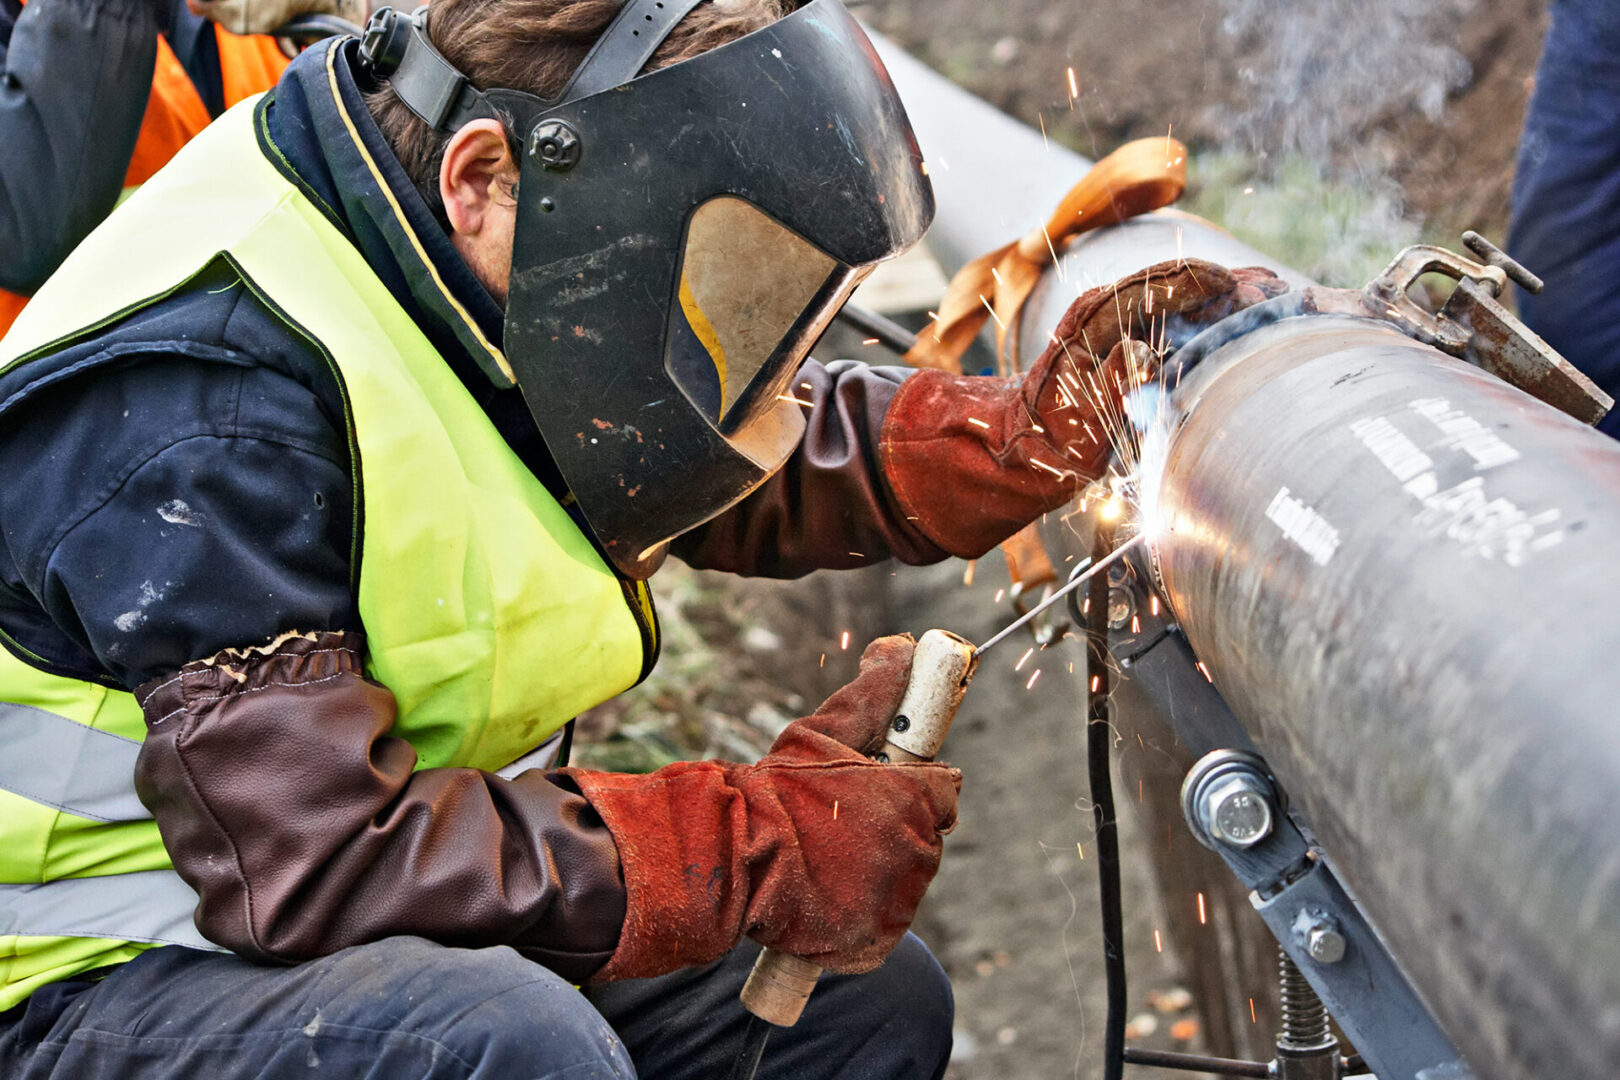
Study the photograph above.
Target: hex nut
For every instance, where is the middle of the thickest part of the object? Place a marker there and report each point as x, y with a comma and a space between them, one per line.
1325, 944
1120, 608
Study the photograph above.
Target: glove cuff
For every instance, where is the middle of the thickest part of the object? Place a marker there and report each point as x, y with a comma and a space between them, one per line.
964, 462
678, 832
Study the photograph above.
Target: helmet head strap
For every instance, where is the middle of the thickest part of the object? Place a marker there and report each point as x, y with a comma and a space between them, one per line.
396, 47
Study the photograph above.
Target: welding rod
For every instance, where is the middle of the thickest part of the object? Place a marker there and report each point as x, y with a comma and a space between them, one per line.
1080, 576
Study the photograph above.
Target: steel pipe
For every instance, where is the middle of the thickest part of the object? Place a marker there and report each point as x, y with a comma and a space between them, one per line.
1396, 569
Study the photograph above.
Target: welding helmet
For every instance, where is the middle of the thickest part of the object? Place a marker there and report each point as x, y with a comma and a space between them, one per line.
682, 239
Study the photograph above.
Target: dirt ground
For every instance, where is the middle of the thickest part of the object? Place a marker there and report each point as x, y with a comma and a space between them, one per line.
1421, 102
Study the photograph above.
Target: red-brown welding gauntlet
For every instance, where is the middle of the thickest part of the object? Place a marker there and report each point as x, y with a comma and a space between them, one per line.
972, 459
816, 850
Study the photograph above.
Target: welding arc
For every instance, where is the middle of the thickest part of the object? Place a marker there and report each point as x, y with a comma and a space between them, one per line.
1082, 574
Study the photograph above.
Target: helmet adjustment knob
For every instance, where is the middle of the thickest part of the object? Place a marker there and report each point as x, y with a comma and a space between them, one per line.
555, 144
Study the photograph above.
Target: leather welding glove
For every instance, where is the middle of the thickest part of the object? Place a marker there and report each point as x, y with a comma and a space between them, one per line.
973, 459
816, 850
267, 16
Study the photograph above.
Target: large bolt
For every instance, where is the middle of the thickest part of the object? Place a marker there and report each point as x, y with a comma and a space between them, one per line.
1230, 799
1236, 809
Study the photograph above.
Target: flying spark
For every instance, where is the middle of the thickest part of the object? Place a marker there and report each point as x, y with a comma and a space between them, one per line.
1203, 918
1032, 679
844, 642
993, 314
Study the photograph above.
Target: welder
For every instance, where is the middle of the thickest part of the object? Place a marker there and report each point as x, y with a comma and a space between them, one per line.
97, 95
337, 463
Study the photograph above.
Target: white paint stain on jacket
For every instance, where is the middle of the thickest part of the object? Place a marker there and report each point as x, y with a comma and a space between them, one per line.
133, 618
178, 512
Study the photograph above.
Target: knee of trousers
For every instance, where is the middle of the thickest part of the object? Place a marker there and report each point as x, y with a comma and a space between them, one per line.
500, 1013
909, 1001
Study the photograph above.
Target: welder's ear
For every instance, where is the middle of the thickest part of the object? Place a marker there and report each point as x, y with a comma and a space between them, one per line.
477, 175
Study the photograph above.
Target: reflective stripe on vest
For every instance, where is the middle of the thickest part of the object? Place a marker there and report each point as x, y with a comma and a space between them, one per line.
76, 769
152, 906
487, 611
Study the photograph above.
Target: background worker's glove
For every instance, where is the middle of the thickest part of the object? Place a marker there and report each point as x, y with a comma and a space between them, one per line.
816, 850
972, 459
267, 16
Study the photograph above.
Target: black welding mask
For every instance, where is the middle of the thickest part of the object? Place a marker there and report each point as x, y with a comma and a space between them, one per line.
682, 239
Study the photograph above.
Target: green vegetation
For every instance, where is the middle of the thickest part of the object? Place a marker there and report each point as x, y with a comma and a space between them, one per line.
1339, 232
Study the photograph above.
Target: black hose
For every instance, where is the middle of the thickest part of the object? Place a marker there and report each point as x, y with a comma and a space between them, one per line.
1166, 1059
1099, 736
889, 333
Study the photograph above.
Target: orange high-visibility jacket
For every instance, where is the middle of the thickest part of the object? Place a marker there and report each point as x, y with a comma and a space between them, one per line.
175, 113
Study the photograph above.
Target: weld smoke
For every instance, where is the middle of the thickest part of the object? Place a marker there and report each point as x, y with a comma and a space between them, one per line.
1322, 74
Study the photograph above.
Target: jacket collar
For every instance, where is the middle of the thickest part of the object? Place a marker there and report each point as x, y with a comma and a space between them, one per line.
321, 136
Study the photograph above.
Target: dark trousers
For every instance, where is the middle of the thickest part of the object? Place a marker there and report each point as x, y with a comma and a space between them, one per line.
1566, 192
405, 1008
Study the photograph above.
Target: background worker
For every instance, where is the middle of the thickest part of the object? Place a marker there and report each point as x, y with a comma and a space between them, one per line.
420, 366
1566, 192
97, 95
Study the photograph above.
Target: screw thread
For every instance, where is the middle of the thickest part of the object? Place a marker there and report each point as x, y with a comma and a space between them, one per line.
1304, 1019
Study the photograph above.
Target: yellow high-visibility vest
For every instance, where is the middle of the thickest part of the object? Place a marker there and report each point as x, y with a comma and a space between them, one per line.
487, 611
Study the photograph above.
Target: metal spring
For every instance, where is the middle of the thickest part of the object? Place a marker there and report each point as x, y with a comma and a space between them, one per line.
1304, 1019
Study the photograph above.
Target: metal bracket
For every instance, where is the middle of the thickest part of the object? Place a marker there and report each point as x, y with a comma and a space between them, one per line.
1302, 901
1473, 325
1390, 290
1502, 345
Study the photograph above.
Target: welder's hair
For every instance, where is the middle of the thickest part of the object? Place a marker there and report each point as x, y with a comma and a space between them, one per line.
534, 46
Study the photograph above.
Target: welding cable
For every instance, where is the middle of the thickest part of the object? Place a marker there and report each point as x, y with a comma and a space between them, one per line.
1098, 736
